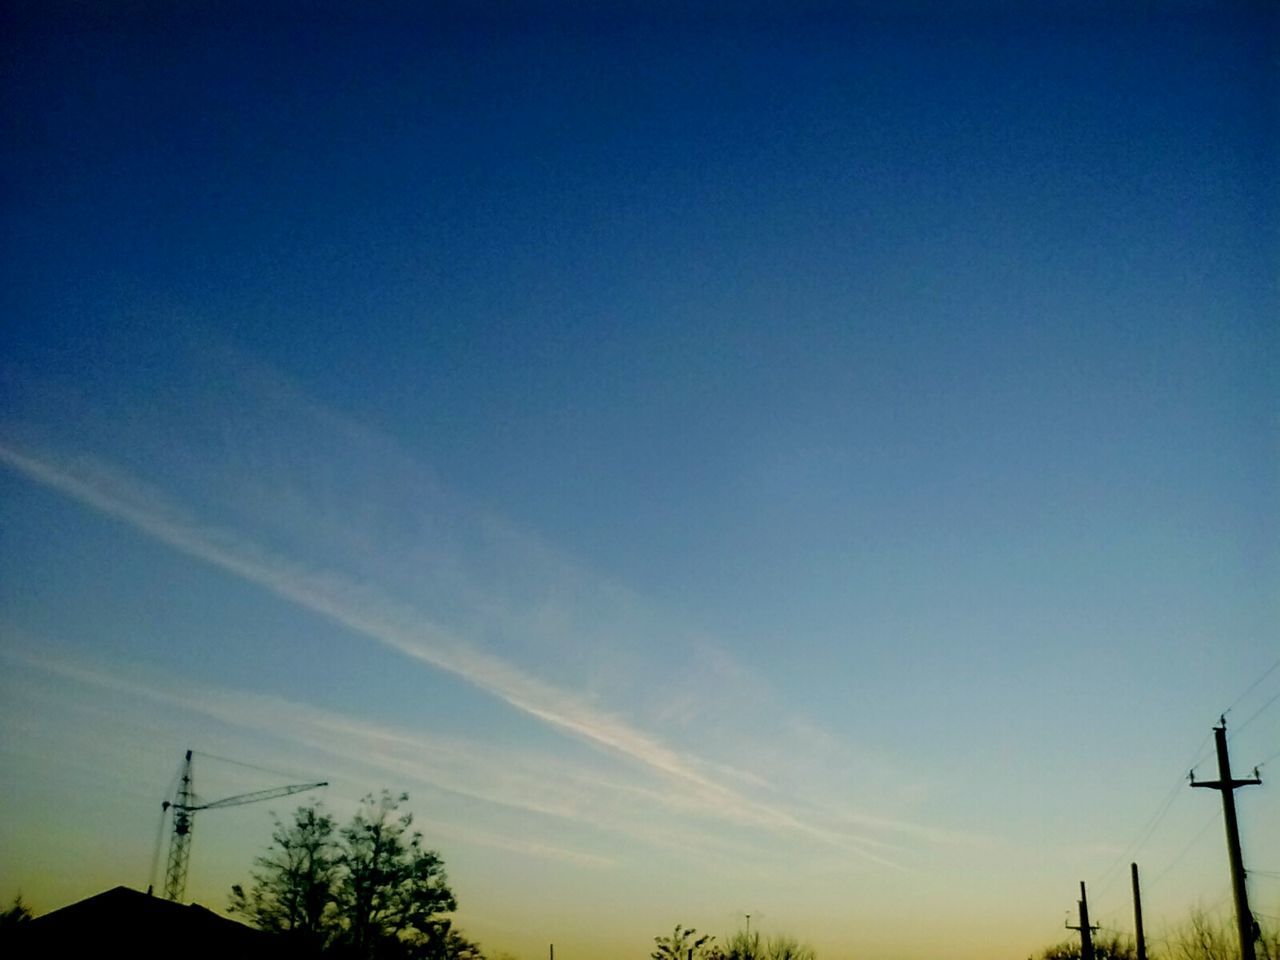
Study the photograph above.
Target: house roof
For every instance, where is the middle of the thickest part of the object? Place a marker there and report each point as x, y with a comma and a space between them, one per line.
124, 922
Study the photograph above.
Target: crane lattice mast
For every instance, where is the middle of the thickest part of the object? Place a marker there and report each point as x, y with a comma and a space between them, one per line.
175, 874
185, 804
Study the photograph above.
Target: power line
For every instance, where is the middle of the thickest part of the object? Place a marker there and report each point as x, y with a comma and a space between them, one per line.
1269, 759
1217, 814
1105, 881
1266, 673
1108, 877
1254, 716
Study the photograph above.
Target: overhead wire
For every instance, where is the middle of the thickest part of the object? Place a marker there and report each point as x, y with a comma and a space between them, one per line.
1108, 876
1253, 686
1105, 881
1267, 760
1217, 815
1254, 716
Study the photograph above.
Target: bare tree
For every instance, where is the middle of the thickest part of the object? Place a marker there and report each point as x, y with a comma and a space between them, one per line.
1205, 937
785, 947
683, 944
294, 883
744, 946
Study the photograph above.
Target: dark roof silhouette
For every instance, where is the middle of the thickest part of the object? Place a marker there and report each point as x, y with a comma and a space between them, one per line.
125, 923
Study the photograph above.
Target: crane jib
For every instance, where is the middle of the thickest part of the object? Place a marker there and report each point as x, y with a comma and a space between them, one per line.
185, 804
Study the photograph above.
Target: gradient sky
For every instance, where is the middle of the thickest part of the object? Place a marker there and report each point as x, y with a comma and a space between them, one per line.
820, 462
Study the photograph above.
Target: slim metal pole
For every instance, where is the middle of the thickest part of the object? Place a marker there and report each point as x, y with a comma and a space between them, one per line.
1137, 913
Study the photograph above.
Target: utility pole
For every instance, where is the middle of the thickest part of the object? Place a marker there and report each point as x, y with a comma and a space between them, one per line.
1225, 785
1086, 931
1137, 913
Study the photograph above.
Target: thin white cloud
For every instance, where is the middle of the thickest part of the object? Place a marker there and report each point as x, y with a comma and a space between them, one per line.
368, 611
464, 768
360, 608
523, 783
365, 610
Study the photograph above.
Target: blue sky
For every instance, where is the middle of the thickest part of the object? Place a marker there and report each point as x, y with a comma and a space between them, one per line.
715, 461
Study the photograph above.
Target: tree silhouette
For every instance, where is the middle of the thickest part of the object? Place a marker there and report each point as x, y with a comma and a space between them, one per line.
685, 943
750, 946
390, 887
294, 885
1207, 937
367, 891
18, 912
743, 946
1104, 948
1202, 936
785, 947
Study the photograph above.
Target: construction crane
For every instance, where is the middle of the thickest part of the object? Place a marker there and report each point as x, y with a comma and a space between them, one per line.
184, 806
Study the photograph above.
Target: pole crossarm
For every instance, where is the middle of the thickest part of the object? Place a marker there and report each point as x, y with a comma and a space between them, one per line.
1229, 785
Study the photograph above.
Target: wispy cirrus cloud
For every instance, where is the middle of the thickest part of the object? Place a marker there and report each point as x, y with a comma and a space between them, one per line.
358, 607
369, 612
466, 768
510, 784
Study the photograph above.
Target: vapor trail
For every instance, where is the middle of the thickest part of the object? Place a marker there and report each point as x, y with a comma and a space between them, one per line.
378, 617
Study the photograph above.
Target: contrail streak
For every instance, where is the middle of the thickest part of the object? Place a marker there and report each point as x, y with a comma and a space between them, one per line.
371, 613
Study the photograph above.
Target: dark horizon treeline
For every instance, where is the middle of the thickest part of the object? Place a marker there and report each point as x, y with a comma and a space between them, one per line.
1201, 936
370, 890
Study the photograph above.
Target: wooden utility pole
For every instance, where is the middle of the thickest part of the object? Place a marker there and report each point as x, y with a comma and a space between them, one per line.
1225, 785
1086, 931
1137, 913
